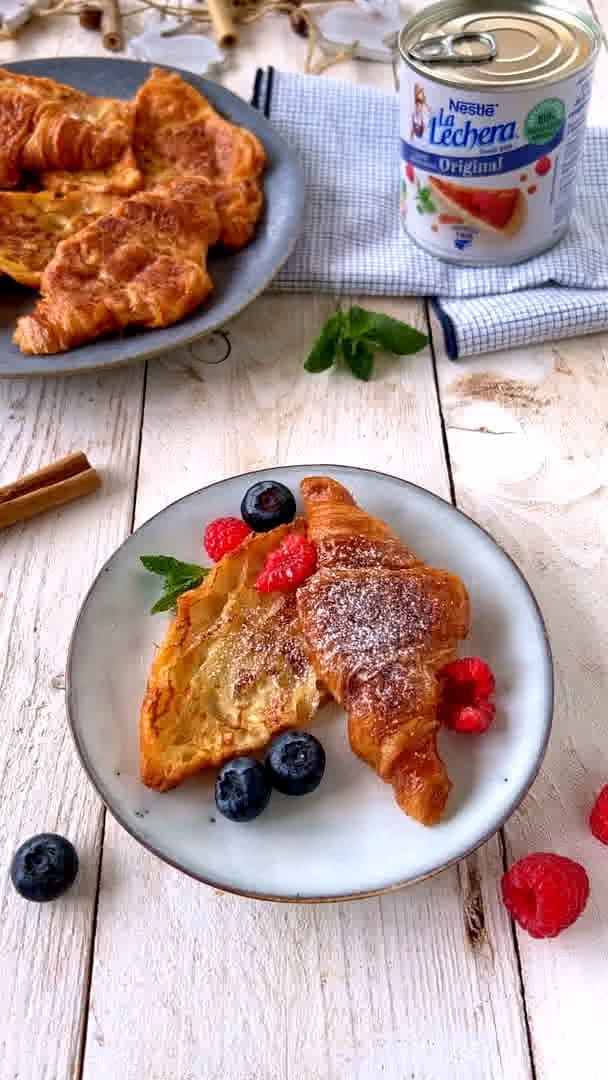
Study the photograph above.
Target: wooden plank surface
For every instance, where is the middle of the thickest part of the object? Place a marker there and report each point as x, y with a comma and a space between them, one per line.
528, 443
190, 983
389, 987
46, 565
527, 434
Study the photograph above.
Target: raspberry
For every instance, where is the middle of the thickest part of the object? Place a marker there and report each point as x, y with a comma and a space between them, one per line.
409, 172
469, 719
598, 821
542, 166
284, 569
467, 681
545, 893
223, 535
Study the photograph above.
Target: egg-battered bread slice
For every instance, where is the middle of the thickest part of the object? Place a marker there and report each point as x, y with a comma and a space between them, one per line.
179, 133
142, 264
231, 673
32, 225
121, 178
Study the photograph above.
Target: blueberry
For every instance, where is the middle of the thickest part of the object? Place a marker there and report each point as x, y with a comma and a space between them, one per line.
295, 763
44, 867
268, 504
242, 789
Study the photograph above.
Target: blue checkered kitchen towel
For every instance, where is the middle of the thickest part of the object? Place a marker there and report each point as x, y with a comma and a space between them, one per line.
353, 243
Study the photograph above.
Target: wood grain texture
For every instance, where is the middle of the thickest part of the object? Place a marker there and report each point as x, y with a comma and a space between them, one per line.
392, 987
46, 565
528, 441
193, 984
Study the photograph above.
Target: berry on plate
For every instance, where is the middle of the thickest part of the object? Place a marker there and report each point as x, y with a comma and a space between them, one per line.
224, 535
44, 867
295, 763
268, 504
242, 789
467, 680
598, 820
545, 893
294, 560
468, 719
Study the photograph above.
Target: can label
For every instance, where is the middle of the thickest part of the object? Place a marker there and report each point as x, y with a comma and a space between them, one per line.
489, 177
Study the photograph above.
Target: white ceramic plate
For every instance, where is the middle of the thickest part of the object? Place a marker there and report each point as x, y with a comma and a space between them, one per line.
348, 838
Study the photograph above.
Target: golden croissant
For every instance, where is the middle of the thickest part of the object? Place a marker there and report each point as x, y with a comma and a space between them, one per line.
179, 133
380, 624
142, 263
46, 125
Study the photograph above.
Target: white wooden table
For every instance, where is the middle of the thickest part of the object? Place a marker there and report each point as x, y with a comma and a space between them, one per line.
140, 972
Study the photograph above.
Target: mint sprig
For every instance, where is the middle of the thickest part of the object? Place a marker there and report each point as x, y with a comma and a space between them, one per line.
355, 334
178, 577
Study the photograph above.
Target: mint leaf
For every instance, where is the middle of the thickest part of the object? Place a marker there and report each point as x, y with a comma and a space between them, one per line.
168, 600
359, 358
393, 335
352, 332
324, 351
166, 565
179, 577
358, 322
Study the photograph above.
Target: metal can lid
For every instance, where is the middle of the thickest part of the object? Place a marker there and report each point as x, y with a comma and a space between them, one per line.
498, 44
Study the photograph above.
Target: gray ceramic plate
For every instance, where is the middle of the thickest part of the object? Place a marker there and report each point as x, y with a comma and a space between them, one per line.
348, 838
238, 278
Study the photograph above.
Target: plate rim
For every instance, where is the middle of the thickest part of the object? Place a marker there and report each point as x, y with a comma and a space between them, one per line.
214, 327
316, 469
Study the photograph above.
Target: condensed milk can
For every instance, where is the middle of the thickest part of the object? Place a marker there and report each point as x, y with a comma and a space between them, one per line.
493, 106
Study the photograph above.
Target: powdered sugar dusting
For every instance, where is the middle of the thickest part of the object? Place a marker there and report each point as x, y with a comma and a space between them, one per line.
358, 552
373, 630
354, 614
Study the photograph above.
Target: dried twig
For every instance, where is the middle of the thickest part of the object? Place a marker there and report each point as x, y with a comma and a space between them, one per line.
335, 58
197, 13
111, 26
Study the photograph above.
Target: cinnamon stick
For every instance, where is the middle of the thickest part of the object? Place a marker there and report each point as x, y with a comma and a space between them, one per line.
224, 28
111, 26
52, 486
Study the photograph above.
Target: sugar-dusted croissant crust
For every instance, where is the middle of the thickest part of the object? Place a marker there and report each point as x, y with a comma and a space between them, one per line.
379, 624
143, 263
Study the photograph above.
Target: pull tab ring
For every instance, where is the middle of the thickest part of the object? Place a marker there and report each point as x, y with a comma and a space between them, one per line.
445, 49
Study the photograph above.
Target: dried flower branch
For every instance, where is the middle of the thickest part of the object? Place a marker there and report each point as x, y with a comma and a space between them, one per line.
195, 14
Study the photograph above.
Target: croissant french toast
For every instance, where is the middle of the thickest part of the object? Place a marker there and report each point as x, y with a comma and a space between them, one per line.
232, 672
179, 133
46, 125
142, 263
32, 225
122, 177
380, 624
